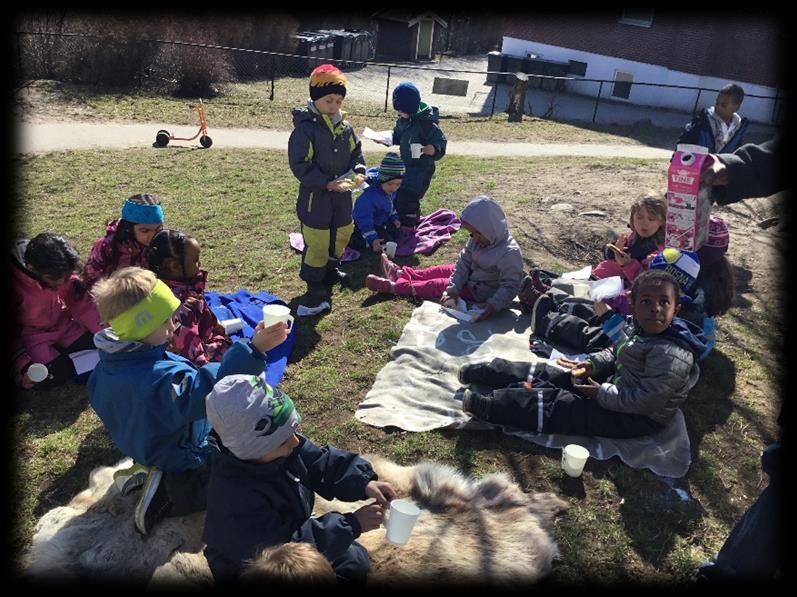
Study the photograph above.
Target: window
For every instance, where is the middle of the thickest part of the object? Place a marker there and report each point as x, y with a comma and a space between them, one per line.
637, 17
622, 84
576, 68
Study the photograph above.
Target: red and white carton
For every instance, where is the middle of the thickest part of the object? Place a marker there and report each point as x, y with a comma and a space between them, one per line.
688, 202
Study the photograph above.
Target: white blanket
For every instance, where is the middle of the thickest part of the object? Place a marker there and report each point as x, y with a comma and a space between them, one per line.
418, 389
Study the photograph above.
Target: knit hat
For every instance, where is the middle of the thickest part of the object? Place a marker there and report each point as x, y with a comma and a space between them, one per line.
406, 98
250, 416
140, 213
391, 167
326, 79
682, 265
717, 244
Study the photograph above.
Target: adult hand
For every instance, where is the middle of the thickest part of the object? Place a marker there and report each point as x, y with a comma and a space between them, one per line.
266, 338
487, 312
369, 517
716, 174
381, 491
428, 150
588, 390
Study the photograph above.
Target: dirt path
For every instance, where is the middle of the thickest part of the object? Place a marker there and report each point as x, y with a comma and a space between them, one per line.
42, 137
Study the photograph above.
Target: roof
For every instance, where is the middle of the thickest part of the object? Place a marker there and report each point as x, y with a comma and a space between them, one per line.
409, 17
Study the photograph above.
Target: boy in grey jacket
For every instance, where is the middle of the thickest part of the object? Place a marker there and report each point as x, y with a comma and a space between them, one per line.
647, 376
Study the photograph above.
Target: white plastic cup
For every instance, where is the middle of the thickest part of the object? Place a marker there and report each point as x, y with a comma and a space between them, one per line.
274, 313
232, 326
390, 249
400, 520
574, 457
38, 372
415, 150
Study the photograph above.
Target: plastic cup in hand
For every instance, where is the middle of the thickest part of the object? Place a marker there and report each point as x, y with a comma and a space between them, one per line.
231, 326
400, 520
38, 372
274, 313
390, 249
574, 457
415, 150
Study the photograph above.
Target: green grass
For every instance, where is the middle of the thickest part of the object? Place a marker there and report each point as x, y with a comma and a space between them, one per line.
623, 524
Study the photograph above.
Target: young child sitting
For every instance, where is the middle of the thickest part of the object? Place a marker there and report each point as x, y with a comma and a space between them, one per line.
290, 563
174, 257
375, 218
647, 377
488, 271
716, 274
125, 238
718, 128
54, 314
264, 478
152, 402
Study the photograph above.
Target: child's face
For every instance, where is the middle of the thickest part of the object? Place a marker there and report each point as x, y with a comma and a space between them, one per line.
191, 260
163, 335
725, 107
49, 281
391, 186
645, 222
480, 239
143, 233
285, 449
654, 306
403, 114
329, 104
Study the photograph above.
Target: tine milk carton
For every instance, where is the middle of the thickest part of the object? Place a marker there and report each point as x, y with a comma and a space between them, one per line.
688, 204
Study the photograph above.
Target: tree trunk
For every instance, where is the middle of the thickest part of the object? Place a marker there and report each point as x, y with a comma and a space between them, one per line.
517, 99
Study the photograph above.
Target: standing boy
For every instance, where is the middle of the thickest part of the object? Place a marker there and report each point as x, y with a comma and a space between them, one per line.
322, 148
719, 128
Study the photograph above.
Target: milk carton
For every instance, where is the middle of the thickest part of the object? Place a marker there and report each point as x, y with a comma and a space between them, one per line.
688, 203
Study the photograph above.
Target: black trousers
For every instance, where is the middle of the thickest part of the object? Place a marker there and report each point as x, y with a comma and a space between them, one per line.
187, 490
61, 369
385, 232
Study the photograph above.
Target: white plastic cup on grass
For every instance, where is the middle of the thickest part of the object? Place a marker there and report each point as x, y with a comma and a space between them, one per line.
574, 457
400, 520
38, 372
231, 326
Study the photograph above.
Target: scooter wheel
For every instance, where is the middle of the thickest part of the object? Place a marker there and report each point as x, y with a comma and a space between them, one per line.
205, 141
162, 138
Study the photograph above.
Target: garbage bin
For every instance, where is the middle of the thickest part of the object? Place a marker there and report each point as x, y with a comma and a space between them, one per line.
495, 61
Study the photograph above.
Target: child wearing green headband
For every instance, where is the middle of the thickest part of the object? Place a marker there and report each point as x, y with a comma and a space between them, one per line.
152, 401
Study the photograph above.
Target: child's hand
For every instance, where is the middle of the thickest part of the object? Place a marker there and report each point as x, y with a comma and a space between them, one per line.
577, 368
487, 312
600, 308
266, 338
337, 187
428, 150
590, 390
369, 517
218, 330
381, 491
449, 300
377, 246
397, 223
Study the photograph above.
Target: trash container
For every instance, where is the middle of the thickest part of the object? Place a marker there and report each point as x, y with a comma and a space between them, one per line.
495, 62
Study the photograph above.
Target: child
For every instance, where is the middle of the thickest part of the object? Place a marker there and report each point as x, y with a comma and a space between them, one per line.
55, 315
174, 257
648, 377
125, 238
488, 271
264, 477
718, 128
716, 274
375, 218
294, 563
417, 124
321, 148
151, 401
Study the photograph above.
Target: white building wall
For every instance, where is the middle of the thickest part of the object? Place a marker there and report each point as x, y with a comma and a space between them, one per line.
604, 67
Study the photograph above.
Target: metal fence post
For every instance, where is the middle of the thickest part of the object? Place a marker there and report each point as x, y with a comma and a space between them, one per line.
697, 99
140, 66
597, 99
496, 87
387, 87
273, 75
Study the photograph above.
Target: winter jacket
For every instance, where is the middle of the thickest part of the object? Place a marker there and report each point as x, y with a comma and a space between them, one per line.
642, 252
45, 317
320, 150
651, 375
753, 171
493, 273
196, 339
252, 505
373, 208
700, 132
100, 262
421, 128
152, 402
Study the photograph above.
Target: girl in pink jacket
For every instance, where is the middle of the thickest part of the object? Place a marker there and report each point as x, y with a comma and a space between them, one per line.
55, 316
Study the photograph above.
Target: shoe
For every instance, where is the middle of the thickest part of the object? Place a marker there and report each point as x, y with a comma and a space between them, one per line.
390, 270
377, 284
471, 373
154, 504
334, 275
475, 404
129, 479
542, 307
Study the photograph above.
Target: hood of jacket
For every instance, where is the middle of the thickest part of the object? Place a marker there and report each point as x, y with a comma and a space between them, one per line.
425, 112
107, 341
18, 252
309, 112
484, 214
687, 334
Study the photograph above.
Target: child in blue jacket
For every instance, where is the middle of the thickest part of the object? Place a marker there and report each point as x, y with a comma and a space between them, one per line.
263, 482
719, 128
375, 217
151, 401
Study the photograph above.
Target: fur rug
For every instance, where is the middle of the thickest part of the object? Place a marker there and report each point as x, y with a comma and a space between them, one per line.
485, 530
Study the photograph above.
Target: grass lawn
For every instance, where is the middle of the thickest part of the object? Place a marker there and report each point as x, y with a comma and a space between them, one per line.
623, 525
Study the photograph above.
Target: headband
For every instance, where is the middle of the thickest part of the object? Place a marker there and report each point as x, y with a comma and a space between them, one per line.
146, 316
142, 214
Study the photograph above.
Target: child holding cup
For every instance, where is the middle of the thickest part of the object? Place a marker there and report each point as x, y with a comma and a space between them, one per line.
375, 218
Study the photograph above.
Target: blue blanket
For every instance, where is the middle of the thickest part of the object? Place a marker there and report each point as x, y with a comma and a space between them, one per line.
249, 308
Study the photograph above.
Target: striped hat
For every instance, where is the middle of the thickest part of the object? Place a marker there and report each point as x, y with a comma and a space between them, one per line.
391, 167
682, 265
717, 244
326, 79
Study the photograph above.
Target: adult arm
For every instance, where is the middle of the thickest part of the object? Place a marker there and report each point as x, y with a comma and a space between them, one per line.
750, 171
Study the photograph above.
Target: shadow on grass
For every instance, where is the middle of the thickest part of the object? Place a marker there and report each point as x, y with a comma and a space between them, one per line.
50, 410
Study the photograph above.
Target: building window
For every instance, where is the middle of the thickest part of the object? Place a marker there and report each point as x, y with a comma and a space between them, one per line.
637, 17
622, 84
574, 67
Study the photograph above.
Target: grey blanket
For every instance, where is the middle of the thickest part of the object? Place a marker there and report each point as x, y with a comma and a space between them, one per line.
418, 390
